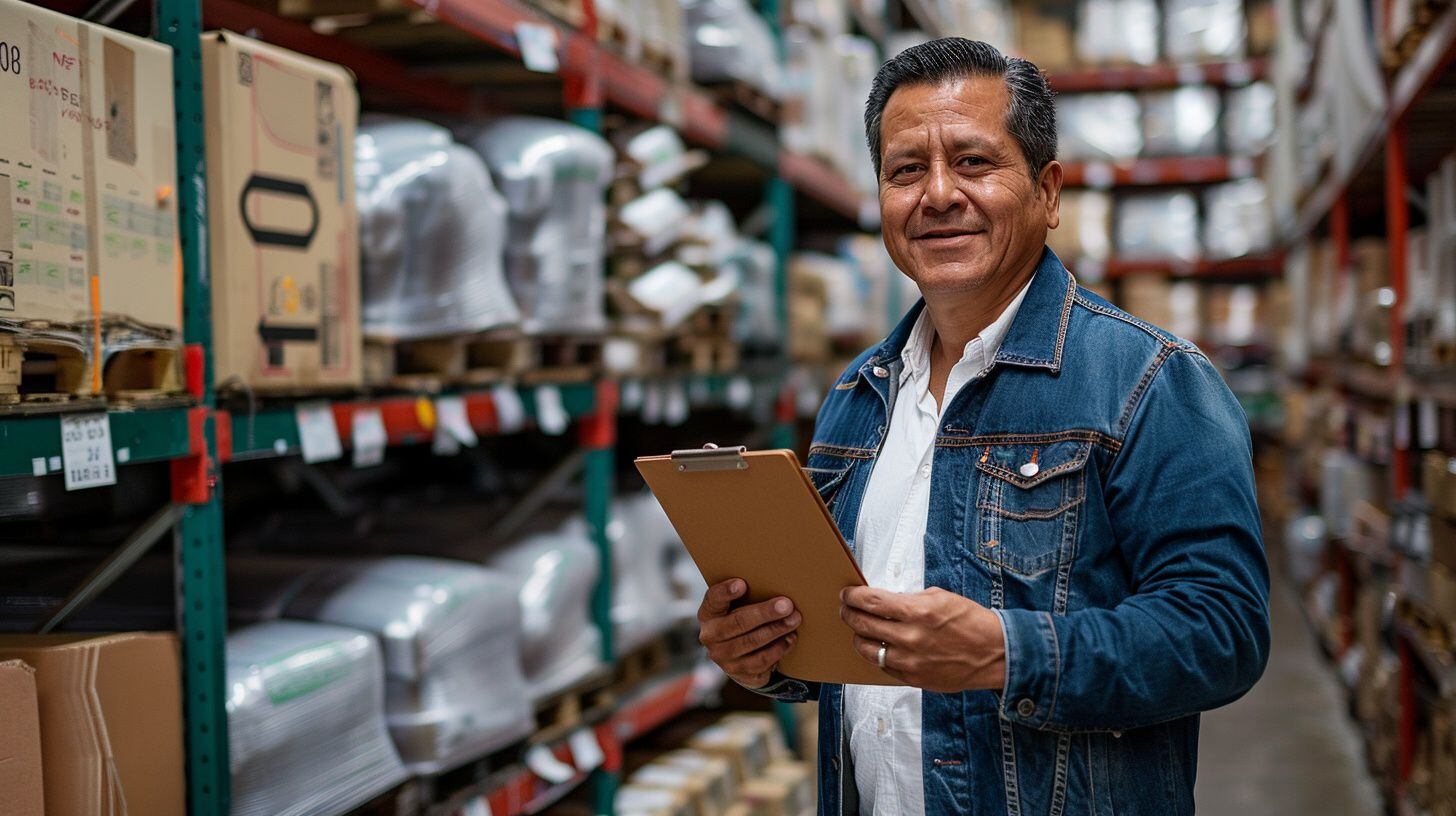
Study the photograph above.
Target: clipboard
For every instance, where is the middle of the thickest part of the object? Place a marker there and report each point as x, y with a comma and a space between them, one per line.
756, 516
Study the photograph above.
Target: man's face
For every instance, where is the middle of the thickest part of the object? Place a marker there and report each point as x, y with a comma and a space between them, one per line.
958, 206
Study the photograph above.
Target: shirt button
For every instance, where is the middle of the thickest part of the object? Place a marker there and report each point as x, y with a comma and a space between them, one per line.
882, 726
1025, 708
925, 471
897, 569
880, 371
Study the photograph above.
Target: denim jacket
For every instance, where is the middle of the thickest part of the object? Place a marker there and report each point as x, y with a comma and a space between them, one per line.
1127, 567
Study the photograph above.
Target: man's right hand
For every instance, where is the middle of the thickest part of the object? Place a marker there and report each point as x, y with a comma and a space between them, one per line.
748, 642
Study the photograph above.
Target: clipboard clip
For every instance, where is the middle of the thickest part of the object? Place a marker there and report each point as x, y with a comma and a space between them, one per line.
710, 457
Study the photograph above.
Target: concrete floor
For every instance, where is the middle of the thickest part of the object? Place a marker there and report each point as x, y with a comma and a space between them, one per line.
1288, 748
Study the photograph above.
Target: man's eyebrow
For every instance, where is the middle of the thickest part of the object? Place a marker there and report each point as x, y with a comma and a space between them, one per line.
957, 144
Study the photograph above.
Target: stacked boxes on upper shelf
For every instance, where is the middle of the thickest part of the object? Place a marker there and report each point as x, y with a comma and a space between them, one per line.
90, 285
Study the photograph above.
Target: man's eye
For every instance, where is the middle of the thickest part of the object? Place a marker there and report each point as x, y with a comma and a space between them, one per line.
972, 160
906, 168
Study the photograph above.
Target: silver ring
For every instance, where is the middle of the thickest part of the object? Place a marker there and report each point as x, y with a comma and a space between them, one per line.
880, 656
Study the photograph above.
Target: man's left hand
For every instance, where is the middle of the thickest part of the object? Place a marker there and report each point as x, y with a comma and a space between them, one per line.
934, 639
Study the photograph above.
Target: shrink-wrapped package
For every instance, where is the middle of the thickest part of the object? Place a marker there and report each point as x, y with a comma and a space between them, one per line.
858, 59
554, 177
451, 635
1199, 30
1099, 126
659, 565
729, 40
655, 219
757, 325
812, 121
1237, 220
306, 731
1160, 226
1181, 122
709, 237
553, 575
1117, 32
432, 233
1248, 119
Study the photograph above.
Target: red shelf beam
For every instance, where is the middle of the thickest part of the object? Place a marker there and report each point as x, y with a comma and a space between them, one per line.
1154, 172
1258, 266
1139, 78
820, 182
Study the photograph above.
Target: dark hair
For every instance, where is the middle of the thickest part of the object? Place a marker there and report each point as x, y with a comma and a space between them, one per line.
1031, 116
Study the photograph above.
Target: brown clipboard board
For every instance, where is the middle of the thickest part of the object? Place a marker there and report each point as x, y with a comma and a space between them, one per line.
756, 516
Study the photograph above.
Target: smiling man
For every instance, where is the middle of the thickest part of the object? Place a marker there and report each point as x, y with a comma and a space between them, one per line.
1052, 501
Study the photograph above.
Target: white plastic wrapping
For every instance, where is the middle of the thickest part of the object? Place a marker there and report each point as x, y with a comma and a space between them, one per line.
451, 637
858, 59
1117, 31
432, 231
660, 564
1248, 119
306, 732
1181, 122
709, 236
758, 320
1237, 220
813, 123
1099, 126
846, 312
1201, 30
1160, 226
729, 40
655, 218
659, 155
554, 176
553, 575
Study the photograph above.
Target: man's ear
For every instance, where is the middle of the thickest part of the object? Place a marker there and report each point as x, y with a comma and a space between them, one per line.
1049, 190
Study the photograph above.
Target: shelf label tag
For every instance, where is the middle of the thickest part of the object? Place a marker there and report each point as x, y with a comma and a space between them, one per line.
38, 466
538, 47
632, 395
369, 437
86, 451
586, 751
452, 420
317, 433
479, 806
544, 764
550, 412
652, 403
510, 413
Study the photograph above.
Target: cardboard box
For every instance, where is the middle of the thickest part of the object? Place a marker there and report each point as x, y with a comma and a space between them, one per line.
284, 227
746, 750
20, 768
88, 215
111, 721
1044, 37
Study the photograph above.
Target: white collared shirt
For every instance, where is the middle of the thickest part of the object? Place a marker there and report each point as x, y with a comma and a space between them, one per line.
884, 721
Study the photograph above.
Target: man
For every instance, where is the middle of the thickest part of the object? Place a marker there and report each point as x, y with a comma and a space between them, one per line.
1052, 501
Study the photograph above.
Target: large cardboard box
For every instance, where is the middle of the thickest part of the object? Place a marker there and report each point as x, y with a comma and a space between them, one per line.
88, 214
110, 720
20, 769
284, 227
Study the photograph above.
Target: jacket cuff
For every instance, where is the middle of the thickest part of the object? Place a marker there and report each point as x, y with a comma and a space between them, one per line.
783, 687
1033, 667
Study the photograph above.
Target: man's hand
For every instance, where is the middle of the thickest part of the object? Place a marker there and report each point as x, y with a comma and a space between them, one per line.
746, 643
934, 640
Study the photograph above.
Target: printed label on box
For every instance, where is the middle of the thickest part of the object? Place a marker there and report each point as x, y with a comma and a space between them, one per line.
86, 451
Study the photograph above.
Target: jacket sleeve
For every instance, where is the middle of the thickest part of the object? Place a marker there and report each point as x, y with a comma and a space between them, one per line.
786, 689
1194, 635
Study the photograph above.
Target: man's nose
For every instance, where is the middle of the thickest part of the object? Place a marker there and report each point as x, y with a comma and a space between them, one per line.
941, 191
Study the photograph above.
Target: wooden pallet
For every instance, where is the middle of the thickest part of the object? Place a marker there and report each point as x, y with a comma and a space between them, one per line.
567, 11
572, 708
705, 355
645, 662
745, 97
143, 375
432, 364
35, 368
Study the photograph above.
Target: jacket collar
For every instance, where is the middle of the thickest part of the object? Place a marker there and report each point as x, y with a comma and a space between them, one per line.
1037, 333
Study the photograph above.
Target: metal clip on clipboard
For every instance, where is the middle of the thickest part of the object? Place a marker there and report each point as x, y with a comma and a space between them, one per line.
710, 457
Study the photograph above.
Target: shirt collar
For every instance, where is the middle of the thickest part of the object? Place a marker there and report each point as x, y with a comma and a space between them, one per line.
979, 351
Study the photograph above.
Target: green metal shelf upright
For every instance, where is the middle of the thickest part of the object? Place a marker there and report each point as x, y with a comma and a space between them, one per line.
202, 603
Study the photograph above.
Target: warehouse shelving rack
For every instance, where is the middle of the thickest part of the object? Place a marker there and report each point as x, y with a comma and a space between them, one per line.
1398, 145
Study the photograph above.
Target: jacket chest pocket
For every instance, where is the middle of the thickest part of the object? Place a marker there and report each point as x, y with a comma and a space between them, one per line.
1026, 503
828, 467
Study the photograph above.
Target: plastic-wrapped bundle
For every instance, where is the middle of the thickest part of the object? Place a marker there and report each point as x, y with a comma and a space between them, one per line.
758, 322
812, 84
1196, 30
554, 177
1248, 119
1158, 226
432, 229
1182, 122
649, 558
306, 732
1117, 31
859, 59
729, 40
845, 313
655, 219
451, 638
709, 236
1237, 219
1099, 126
553, 575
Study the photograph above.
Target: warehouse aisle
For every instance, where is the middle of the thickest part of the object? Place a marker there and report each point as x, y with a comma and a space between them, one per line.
1289, 746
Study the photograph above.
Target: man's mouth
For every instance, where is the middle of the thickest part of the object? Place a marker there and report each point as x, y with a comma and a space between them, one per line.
946, 232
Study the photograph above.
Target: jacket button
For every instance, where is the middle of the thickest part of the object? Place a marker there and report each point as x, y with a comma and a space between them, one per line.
880, 371
834, 763
1025, 708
